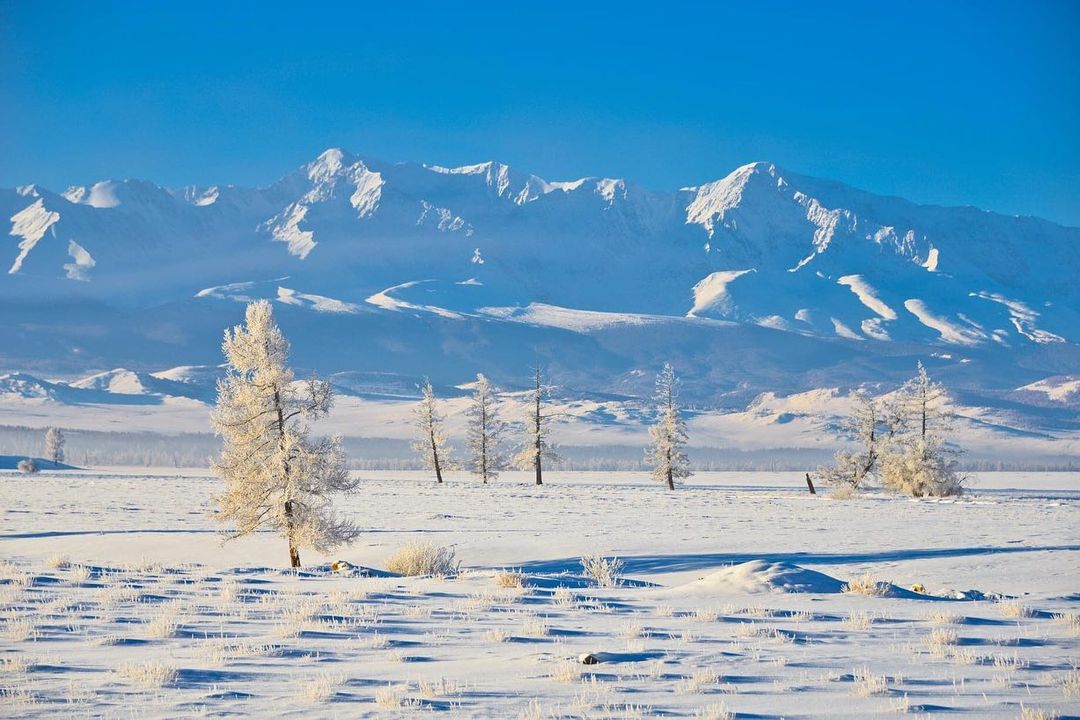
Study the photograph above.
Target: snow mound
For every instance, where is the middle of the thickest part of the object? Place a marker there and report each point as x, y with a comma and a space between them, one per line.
760, 576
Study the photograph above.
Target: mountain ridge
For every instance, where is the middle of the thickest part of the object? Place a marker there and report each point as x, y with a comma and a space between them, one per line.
803, 283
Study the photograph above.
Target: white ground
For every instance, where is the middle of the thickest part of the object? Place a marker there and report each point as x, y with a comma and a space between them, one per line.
151, 591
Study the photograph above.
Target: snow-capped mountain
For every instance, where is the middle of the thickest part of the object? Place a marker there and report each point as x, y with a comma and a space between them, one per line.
764, 280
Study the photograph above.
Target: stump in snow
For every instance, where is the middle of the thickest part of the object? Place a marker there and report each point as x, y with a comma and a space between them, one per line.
589, 659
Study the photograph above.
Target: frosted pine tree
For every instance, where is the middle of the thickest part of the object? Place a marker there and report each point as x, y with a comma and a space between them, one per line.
54, 446
851, 468
485, 432
666, 456
919, 461
536, 447
276, 477
922, 400
430, 443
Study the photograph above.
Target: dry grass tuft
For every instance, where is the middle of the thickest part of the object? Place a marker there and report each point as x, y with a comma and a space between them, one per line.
423, 559
867, 585
151, 674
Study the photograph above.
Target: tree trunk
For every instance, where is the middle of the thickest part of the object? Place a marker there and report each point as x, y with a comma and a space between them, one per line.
810, 485
294, 553
435, 457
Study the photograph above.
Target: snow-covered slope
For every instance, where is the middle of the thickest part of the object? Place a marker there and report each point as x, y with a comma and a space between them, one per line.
762, 280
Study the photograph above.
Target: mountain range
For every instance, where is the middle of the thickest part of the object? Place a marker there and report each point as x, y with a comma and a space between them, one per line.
764, 281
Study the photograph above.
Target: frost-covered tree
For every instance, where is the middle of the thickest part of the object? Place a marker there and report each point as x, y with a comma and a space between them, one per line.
54, 446
430, 443
922, 401
922, 467
852, 467
276, 476
537, 447
666, 455
485, 432
918, 460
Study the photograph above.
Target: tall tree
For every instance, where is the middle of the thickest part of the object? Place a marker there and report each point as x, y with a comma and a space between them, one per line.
276, 476
919, 460
666, 455
849, 467
922, 400
537, 446
485, 432
430, 441
54, 445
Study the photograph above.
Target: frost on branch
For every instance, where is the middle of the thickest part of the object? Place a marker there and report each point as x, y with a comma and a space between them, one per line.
666, 455
485, 432
54, 446
918, 461
537, 447
430, 443
276, 476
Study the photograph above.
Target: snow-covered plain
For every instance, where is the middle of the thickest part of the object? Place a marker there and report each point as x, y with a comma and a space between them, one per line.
121, 601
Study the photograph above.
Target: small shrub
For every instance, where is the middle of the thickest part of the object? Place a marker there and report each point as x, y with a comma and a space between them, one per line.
59, 561
321, 688
867, 585
603, 571
510, 579
716, 711
1014, 609
150, 674
867, 684
390, 697
423, 558
566, 671
20, 629
28, 466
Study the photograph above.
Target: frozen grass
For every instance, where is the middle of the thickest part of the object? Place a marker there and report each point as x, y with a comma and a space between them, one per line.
566, 671
423, 558
1030, 713
510, 579
535, 628
1070, 621
867, 585
391, 697
714, 711
859, 620
79, 575
320, 688
1014, 609
20, 630
151, 674
867, 683
164, 624
1070, 684
941, 641
605, 572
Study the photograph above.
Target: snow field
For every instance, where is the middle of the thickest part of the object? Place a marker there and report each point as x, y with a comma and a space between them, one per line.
117, 600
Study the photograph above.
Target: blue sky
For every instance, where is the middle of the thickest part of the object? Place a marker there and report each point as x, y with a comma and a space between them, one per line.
943, 102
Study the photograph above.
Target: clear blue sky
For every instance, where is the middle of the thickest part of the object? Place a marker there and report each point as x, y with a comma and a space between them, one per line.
944, 102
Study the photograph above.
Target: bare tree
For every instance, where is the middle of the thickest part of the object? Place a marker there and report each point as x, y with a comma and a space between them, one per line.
666, 455
430, 441
537, 446
276, 476
485, 432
